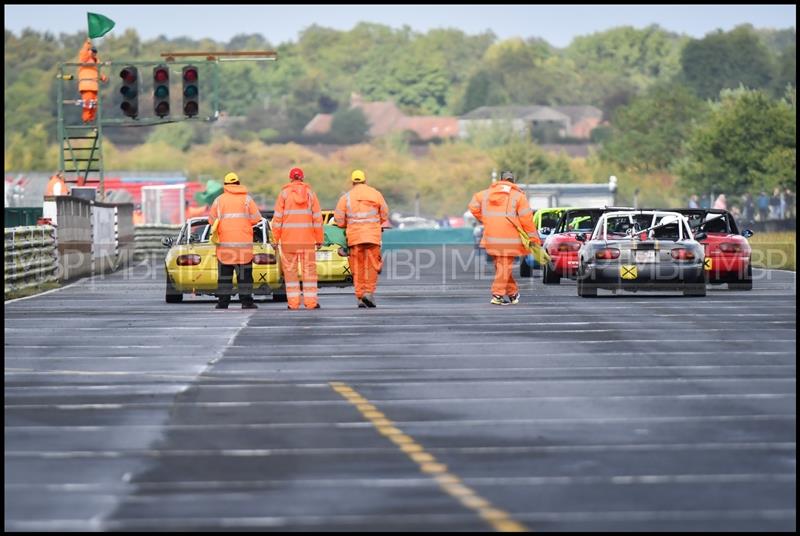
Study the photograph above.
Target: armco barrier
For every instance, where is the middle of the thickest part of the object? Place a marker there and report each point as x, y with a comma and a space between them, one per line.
148, 237
29, 257
411, 238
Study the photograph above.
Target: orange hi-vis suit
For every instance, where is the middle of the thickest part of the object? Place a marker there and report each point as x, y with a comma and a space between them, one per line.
297, 227
502, 208
87, 82
237, 213
56, 186
363, 212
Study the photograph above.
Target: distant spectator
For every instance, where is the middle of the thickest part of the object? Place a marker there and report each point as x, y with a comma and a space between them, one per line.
735, 212
763, 206
705, 202
775, 204
721, 203
693, 201
747, 208
789, 197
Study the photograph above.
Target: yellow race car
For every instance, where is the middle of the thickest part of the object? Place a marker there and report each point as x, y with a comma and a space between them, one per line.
191, 263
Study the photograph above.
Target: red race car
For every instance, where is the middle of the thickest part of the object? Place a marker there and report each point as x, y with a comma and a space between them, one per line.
727, 250
562, 245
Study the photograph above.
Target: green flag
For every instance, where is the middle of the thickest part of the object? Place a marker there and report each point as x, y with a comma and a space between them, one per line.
99, 25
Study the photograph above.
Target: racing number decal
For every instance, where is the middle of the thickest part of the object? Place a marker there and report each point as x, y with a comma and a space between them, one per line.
628, 271
707, 263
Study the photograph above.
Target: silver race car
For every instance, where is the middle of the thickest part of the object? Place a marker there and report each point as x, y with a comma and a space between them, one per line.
641, 250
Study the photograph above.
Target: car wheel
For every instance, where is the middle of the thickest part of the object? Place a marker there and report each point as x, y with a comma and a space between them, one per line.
525, 269
585, 290
172, 295
696, 289
279, 296
549, 277
743, 284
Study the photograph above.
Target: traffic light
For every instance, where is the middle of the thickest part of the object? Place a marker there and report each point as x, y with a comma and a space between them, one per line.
191, 91
161, 90
130, 91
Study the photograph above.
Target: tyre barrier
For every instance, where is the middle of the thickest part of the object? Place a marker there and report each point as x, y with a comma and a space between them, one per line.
30, 257
147, 239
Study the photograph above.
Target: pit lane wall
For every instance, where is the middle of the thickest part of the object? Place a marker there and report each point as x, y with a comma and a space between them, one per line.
85, 238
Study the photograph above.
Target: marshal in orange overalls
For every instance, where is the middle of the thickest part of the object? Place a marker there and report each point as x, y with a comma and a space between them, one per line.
364, 213
502, 208
297, 227
87, 81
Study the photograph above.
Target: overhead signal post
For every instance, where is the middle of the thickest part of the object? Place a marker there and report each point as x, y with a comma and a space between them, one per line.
81, 144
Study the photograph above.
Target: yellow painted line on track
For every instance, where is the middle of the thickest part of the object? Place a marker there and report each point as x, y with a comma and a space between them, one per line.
428, 464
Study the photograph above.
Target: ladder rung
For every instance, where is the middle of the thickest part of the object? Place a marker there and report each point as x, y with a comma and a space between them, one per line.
82, 171
84, 159
78, 148
81, 137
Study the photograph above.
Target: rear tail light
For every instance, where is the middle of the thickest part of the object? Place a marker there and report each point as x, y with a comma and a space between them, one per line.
729, 247
264, 258
680, 254
569, 246
342, 252
189, 260
607, 253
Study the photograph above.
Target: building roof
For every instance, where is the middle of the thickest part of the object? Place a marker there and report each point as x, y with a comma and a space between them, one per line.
429, 127
526, 113
580, 112
319, 124
381, 116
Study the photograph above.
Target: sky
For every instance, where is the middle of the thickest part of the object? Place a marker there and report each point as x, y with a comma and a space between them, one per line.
557, 24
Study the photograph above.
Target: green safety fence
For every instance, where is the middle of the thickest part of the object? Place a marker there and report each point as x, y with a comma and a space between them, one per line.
411, 238
21, 216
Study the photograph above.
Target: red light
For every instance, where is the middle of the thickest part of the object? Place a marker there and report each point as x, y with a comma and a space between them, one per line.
264, 258
607, 254
569, 246
188, 260
161, 75
730, 247
128, 76
680, 254
190, 75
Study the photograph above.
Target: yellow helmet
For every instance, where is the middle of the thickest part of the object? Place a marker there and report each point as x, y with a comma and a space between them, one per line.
231, 178
358, 176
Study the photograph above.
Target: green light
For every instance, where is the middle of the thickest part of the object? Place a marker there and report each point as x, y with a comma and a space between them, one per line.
162, 91
190, 91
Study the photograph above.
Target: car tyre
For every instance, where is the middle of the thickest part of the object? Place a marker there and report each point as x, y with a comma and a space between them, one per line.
585, 290
279, 296
525, 269
696, 289
172, 295
549, 277
743, 284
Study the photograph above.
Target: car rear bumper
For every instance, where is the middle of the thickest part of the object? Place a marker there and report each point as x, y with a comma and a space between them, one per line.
655, 275
727, 267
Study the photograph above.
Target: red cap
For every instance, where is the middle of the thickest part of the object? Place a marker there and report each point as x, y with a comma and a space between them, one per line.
296, 174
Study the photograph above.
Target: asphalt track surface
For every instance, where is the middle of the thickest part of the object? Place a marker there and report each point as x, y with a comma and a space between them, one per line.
435, 411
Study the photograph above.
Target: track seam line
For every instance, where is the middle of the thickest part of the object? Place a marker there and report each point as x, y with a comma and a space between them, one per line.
428, 464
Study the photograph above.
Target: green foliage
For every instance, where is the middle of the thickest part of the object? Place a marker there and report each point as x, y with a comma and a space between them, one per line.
531, 164
349, 126
178, 135
723, 60
748, 143
648, 134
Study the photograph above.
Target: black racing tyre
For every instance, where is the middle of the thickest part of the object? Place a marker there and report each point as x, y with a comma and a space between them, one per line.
279, 296
524, 269
586, 290
696, 289
745, 283
171, 294
549, 277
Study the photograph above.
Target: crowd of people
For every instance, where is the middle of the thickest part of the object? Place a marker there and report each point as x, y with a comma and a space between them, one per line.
751, 208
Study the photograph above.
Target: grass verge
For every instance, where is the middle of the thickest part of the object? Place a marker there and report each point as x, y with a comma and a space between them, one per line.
775, 250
